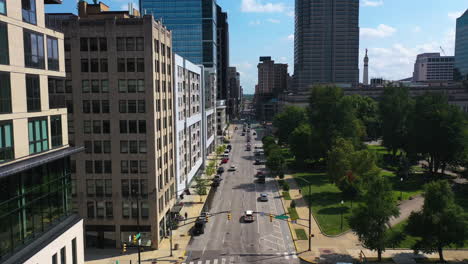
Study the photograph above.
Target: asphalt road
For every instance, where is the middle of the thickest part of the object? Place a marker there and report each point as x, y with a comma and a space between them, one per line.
234, 241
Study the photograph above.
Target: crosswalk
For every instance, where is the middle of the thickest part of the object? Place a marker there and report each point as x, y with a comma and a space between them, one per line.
232, 259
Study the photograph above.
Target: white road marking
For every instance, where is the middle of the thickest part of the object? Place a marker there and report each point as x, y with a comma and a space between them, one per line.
215, 261
207, 262
223, 261
231, 260
200, 262
286, 255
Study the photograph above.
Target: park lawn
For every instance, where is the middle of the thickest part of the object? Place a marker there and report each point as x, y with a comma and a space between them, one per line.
326, 202
293, 213
286, 195
410, 187
301, 234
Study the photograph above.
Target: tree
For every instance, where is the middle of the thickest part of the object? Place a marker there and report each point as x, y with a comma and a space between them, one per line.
220, 150
367, 110
332, 117
300, 142
437, 131
268, 144
369, 220
288, 120
395, 108
275, 161
441, 222
200, 186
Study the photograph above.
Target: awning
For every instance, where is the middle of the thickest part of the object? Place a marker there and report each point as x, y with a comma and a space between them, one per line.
38, 160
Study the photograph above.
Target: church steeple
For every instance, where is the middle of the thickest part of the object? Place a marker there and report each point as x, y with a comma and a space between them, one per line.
365, 80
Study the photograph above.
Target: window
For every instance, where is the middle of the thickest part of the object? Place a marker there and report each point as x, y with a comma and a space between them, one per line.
141, 106
140, 65
83, 44
125, 209
140, 45
29, 11
121, 65
90, 188
156, 46
124, 166
104, 86
122, 86
134, 210
122, 106
123, 146
104, 67
93, 44
4, 51
134, 166
107, 166
125, 188
97, 147
132, 107
142, 126
144, 210
87, 126
123, 126
106, 145
56, 130
94, 65
142, 146
74, 252
67, 44
96, 106
5, 93
109, 210
96, 127
143, 166
89, 169
130, 44
6, 141
133, 146
130, 65
108, 188
85, 86
33, 93
132, 127
141, 86
52, 54
90, 209
33, 49
38, 135
105, 106
88, 146
99, 189
106, 126
54, 259
103, 44
95, 86
132, 86
63, 256
84, 65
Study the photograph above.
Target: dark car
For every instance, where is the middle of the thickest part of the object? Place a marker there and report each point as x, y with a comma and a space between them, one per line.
220, 170
257, 162
199, 227
229, 147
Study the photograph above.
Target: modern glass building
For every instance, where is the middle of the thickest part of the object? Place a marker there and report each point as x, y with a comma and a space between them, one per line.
461, 46
326, 45
193, 25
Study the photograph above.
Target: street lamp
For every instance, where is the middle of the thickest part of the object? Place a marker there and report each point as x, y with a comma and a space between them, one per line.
342, 208
401, 189
310, 211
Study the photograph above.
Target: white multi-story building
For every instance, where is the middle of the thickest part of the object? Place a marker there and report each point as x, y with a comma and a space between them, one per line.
430, 67
188, 93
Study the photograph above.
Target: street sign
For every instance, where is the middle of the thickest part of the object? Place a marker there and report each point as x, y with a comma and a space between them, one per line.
262, 214
138, 236
282, 217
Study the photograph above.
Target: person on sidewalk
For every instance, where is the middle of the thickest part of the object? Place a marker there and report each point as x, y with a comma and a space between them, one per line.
186, 216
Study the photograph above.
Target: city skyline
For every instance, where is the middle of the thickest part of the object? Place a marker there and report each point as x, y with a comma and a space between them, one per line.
392, 31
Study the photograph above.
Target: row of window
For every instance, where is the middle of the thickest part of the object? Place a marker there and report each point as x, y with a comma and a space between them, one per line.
132, 106
132, 126
97, 147
134, 166
99, 188
130, 65
94, 65
100, 209
63, 254
96, 126
97, 86
97, 106
133, 146
98, 166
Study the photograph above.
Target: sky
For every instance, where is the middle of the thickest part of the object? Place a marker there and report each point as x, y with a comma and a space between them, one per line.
394, 31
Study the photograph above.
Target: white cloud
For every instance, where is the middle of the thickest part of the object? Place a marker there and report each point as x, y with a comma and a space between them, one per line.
455, 15
381, 31
125, 6
274, 21
290, 37
257, 6
255, 22
372, 3
416, 29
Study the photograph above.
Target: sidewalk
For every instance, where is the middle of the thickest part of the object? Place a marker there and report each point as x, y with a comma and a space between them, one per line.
345, 247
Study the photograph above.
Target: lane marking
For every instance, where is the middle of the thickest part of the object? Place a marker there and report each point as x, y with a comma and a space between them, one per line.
231, 260
216, 261
200, 262
208, 261
223, 261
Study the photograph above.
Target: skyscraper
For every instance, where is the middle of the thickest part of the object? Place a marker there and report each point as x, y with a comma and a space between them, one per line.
461, 46
223, 54
326, 45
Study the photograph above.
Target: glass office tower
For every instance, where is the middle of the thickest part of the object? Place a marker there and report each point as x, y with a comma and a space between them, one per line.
193, 25
461, 46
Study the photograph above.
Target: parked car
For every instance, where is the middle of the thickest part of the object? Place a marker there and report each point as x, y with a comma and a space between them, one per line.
229, 147
232, 168
243, 134
264, 197
199, 227
220, 170
225, 160
259, 174
257, 162
261, 179
254, 134
248, 216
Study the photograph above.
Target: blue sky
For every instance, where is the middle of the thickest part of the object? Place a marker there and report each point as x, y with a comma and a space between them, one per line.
394, 31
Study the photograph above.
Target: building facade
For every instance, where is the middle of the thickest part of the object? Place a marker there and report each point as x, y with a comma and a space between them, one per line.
190, 152
235, 92
430, 67
326, 43
461, 46
37, 224
120, 72
223, 55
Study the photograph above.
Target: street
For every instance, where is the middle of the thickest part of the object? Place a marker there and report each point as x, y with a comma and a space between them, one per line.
233, 241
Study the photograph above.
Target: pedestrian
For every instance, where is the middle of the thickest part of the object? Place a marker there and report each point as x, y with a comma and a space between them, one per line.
186, 216
300, 191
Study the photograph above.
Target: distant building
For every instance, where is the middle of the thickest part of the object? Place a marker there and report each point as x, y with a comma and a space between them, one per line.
37, 221
365, 78
223, 55
461, 46
431, 67
326, 43
272, 77
235, 92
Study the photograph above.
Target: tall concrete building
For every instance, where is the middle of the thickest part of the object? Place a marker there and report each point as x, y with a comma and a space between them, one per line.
234, 88
223, 54
326, 43
120, 72
431, 67
37, 223
365, 79
461, 46
188, 91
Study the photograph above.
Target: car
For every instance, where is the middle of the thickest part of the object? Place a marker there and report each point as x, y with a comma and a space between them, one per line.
243, 134
232, 168
263, 197
259, 174
199, 227
243, 130
229, 147
254, 134
248, 216
261, 179
257, 162
220, 170
225, 160
217, 176
227, 151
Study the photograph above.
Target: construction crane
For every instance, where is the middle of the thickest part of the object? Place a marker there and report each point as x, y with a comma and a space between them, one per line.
443, 51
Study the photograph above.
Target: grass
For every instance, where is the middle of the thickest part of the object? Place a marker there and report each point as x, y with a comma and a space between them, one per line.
293, 213
326, 198
286, 196
301, 234
410, 187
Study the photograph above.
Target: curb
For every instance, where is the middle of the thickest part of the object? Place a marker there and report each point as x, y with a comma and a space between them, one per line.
306, 260
285, 210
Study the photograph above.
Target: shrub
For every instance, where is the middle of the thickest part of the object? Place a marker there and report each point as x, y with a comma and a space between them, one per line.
285, 186
293, 204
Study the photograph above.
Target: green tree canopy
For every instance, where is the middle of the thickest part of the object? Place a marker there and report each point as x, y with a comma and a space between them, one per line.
288, 120
369, 220
276, 162
441, 222
395, 108
437, 131
367, 110
301, 143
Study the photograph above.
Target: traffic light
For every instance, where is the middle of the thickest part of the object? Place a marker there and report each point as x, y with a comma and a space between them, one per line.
271, 218
124, 248
229, 216
134, 239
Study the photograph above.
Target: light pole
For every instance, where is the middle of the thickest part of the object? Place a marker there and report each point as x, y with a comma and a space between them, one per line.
401, 189
342, 208
310, 211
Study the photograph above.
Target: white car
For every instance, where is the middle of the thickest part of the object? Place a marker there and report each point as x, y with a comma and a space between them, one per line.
264, 197
248, 216
232, 168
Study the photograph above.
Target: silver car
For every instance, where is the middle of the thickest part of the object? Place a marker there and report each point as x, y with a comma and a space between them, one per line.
264, 197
